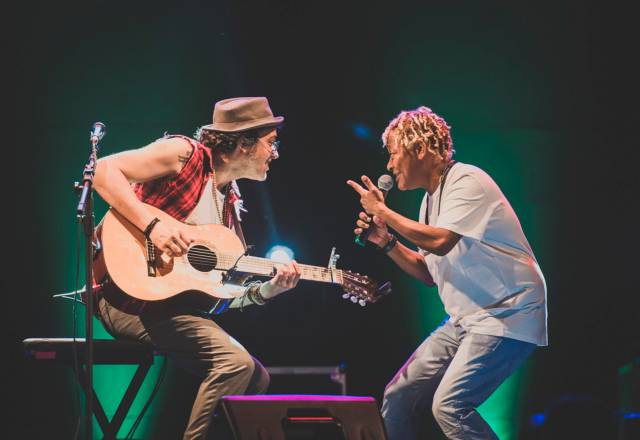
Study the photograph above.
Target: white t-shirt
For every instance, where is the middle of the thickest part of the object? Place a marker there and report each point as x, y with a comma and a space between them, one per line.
205, 212
490, 282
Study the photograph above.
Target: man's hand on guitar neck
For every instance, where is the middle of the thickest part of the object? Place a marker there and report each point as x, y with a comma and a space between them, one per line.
286, 278
170, 241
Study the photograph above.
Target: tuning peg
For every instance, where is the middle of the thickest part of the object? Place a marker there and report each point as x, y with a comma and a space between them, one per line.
346, 295
362, 302
354, 299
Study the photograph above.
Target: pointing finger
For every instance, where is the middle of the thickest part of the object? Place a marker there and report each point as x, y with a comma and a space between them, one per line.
368, 183
357, 188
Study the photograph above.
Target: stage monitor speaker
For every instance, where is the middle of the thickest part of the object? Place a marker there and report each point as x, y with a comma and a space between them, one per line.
303, 417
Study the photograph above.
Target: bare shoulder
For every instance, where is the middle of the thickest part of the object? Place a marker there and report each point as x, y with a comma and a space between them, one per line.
175, 152
175, 147
165, 156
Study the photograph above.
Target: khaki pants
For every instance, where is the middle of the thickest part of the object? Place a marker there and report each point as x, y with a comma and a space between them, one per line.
197, 344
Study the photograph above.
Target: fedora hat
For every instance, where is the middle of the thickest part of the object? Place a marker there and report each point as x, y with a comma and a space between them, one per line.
240, 114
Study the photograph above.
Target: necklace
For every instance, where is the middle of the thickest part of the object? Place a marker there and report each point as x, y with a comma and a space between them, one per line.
214, 192
443, 179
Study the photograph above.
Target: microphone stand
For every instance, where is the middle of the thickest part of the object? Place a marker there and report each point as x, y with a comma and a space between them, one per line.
85, 215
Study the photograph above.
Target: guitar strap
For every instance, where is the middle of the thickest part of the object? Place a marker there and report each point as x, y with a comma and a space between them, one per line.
238, 228
442, 182
230, 214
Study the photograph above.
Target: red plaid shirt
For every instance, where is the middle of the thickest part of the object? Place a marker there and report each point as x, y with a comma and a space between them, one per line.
179, 195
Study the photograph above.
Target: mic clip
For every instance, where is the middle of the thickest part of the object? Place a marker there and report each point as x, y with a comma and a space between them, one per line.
233, 276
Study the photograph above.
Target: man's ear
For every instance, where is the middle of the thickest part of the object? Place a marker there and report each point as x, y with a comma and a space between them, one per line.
221, 158
421, 150
241, 146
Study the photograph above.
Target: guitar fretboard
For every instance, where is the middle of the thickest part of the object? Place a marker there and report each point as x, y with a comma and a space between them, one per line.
266, 267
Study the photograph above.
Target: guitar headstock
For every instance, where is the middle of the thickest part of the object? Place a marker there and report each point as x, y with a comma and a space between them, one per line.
362, 289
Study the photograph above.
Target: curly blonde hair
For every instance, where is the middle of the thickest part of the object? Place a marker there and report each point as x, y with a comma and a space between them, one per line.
421, 124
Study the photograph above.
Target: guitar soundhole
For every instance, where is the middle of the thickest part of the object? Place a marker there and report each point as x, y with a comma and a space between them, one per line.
202, 258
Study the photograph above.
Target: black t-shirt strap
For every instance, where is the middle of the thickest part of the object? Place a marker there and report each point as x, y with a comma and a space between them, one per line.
444, 179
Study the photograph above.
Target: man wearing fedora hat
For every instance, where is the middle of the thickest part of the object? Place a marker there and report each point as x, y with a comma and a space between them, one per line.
193, 180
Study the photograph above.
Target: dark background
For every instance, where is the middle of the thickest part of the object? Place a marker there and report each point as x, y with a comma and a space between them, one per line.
542, 96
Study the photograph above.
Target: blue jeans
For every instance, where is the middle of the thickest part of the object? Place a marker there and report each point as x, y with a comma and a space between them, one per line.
454, 372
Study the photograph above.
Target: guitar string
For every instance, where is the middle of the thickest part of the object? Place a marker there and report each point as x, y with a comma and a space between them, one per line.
312, 273
249, 264
207, 253
206, 258
245, 260
252, 263
249, 259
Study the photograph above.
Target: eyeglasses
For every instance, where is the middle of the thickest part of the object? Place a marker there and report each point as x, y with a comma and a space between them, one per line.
274, 145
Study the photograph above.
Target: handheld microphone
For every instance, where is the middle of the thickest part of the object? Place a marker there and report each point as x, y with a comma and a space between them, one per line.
98, 130
385, 183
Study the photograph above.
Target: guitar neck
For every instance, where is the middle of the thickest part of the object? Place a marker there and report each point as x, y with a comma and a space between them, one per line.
266, 267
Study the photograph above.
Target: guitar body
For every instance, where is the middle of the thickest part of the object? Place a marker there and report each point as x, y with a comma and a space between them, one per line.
125, 257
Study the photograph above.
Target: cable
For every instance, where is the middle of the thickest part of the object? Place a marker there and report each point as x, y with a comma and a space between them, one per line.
76, 366
149, 400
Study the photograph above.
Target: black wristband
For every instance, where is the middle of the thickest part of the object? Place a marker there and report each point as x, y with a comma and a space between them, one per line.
150, 226
390, 244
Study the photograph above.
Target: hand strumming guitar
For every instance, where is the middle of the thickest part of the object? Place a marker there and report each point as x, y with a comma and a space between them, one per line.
171, 241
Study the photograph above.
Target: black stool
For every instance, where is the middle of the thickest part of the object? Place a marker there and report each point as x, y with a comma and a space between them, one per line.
105, 351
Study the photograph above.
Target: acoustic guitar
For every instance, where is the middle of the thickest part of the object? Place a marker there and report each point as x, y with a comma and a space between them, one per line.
213, 261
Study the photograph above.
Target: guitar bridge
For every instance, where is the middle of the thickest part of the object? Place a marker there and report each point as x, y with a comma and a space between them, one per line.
151, 258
